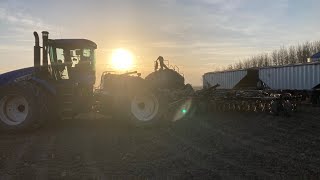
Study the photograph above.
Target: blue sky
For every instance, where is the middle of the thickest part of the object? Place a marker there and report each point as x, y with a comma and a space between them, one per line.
196, 35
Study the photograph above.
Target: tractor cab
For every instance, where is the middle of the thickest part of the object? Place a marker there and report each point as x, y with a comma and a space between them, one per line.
72, 59
67, 59
68, 65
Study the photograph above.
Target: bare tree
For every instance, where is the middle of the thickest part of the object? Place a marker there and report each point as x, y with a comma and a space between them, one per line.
299, 53
292, 55
283, 56
246, 63
238, 65
274, 56
306, 53
313, 47
266, 60
254, 62
317, 46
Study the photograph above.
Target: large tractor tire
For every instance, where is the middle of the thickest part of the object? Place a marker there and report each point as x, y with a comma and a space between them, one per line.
22, 107
141, 109
146, 108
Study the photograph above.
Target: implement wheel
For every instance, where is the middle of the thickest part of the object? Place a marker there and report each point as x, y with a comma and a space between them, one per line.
145, 107
148, 108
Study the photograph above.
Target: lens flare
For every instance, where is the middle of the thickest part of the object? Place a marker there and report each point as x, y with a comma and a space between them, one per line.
183, 110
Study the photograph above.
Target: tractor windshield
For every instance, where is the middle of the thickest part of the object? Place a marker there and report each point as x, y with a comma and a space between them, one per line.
72, 63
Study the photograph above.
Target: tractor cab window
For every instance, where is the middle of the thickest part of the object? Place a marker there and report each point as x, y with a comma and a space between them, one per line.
61, 64
86, 53
82, 56
75, 56
71, 63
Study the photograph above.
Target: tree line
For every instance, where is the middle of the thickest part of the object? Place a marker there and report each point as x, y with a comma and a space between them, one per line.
283, 56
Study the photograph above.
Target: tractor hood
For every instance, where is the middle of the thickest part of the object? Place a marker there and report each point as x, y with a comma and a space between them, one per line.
12, 75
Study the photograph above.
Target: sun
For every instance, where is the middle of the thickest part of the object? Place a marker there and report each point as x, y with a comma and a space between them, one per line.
121, 59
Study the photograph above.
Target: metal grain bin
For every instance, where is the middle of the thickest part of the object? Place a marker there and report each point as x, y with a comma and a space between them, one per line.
226, 79
291, 77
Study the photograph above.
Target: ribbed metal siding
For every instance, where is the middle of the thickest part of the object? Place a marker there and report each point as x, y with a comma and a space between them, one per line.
227, 80
299, 77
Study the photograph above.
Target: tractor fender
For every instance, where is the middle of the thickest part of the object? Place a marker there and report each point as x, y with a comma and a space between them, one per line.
45, 84
16, 76
25, 74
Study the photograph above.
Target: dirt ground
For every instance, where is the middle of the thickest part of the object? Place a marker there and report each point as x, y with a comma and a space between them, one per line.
217, 146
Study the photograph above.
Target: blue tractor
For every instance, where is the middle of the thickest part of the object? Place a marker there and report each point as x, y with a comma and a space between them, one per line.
59, 85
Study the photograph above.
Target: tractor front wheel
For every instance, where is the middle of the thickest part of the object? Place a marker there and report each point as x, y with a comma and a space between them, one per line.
20, 107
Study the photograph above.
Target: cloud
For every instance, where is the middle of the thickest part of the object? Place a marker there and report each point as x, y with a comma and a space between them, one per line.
19, 21
16, 39
17, 18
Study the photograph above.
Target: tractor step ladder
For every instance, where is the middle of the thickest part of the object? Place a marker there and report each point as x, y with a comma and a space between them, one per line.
66, 101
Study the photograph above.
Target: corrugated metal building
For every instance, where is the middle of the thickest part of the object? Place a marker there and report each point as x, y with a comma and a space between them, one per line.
226, 79
294, 77
289, 77
237, 79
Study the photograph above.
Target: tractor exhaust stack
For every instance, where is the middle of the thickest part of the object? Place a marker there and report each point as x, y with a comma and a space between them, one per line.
45, 36
36, 52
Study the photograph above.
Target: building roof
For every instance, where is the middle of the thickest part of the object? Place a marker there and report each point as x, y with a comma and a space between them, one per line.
315, 56
233, 70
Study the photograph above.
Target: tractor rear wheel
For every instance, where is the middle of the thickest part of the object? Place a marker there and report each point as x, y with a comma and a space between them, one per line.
20, 107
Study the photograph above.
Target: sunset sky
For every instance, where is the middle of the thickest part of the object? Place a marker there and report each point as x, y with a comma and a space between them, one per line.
196, 35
